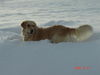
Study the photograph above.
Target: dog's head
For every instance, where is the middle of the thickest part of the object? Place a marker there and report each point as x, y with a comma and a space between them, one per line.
29, 28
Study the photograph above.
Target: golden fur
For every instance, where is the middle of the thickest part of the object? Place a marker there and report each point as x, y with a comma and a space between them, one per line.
56, 33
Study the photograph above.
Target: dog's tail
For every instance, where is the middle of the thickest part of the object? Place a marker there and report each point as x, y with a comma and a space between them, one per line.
84, 32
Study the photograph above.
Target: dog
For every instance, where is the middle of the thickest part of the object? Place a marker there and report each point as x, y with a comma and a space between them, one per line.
56, 33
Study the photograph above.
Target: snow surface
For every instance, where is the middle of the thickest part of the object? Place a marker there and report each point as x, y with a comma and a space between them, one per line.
41, 57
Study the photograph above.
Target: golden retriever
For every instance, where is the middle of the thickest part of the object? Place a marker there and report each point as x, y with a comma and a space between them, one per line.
56, 33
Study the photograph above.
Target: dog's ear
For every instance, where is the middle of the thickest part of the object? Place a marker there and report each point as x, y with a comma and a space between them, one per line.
23, 24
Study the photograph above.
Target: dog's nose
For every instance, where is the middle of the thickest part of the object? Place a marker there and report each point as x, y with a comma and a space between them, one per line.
31, 31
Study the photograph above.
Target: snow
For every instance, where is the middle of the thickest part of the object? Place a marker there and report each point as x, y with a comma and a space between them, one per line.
18, 57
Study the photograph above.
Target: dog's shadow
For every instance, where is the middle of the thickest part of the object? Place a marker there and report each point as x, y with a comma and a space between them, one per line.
94, 37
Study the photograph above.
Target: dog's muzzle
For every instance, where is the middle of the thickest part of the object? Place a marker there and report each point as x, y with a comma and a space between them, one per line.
31, 31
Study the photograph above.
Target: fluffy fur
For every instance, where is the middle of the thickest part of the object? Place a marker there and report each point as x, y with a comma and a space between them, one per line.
56, 33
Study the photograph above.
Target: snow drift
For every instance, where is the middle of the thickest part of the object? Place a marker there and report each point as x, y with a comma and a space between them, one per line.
41, 57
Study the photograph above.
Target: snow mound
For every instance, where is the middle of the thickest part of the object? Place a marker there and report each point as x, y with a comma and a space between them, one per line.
95, 37
12, 34
9, 36
61, 22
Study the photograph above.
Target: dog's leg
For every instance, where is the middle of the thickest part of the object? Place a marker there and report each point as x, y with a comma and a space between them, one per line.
57, 39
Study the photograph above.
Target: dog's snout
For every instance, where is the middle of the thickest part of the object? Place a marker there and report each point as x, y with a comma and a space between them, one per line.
31, 31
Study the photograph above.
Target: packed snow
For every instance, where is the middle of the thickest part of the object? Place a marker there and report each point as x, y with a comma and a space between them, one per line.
18, 57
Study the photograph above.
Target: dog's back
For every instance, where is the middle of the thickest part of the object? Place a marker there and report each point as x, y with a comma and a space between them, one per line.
74, 35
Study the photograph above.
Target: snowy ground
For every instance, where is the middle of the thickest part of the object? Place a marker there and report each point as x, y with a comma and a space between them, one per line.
43, 58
